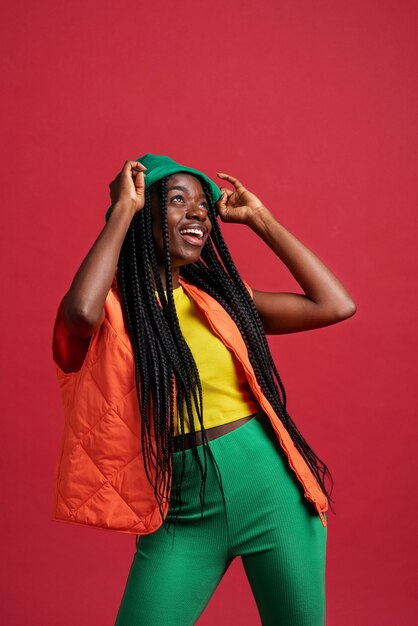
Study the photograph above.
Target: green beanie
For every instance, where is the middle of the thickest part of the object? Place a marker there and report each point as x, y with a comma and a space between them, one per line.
159, 166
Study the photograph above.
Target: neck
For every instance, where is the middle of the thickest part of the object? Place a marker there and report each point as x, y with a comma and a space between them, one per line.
174, 277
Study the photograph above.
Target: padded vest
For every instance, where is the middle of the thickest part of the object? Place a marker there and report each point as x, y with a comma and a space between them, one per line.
99, 476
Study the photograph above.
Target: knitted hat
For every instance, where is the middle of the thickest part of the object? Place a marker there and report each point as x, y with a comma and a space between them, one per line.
159, 166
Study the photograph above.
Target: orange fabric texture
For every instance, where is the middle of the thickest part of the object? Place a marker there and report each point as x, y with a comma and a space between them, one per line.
99, 476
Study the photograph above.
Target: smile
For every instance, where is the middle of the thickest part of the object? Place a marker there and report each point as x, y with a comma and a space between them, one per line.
194, 236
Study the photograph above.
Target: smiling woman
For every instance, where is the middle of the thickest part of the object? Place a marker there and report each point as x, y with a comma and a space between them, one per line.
168, 385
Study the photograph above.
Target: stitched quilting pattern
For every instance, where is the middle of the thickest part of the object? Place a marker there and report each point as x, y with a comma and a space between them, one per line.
100, 463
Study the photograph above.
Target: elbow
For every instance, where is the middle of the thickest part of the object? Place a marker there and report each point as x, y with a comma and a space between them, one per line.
346, 310
80, 321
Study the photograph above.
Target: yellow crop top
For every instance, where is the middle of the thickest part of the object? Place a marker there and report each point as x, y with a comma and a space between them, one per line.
225, 390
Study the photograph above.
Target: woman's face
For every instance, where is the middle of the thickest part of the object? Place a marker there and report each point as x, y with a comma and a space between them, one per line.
187, 217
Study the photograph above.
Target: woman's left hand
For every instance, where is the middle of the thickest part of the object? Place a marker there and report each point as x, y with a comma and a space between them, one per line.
238, 206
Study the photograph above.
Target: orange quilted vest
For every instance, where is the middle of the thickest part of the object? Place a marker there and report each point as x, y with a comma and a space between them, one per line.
99, 477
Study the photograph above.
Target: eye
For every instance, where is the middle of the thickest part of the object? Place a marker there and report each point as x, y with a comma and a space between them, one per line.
177, 197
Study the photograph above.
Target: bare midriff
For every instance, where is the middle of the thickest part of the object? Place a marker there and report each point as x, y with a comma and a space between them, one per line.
211, 433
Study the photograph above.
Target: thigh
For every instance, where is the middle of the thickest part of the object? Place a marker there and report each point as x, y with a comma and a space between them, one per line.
277, 533
174, 575
287, 576
169, 585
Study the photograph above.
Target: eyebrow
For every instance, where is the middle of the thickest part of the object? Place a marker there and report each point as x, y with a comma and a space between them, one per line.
181, 188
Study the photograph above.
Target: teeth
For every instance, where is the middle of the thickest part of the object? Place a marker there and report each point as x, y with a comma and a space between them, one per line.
192, 231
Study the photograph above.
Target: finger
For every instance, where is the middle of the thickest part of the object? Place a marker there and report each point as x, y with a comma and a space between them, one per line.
231, 179
228, 192
220, 205
139, 181
134, 165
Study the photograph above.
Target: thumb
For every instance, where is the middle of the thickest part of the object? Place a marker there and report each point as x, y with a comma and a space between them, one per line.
220, 205
139, 182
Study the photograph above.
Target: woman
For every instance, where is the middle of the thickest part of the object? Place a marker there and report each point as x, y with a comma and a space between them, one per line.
168, 385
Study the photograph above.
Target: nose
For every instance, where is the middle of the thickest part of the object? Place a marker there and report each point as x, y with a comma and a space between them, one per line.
196, 211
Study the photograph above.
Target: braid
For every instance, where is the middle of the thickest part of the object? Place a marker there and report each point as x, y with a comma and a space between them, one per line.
217, 274
165, 371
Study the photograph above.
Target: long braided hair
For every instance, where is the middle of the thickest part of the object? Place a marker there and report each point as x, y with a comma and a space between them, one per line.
166, 373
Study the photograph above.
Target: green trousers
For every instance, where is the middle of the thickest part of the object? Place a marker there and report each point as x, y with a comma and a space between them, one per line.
265, 520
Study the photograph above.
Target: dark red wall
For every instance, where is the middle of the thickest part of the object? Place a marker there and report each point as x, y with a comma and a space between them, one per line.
313, 105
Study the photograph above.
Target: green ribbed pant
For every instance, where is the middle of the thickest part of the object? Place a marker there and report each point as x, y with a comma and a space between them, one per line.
265, 520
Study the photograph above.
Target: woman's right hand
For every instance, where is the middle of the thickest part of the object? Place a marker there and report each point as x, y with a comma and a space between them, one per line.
129, 186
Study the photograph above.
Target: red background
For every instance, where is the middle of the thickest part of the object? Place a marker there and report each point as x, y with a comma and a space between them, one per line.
313, 105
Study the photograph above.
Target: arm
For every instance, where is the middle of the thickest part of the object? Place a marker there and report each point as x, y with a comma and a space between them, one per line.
83, 303
325, 300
